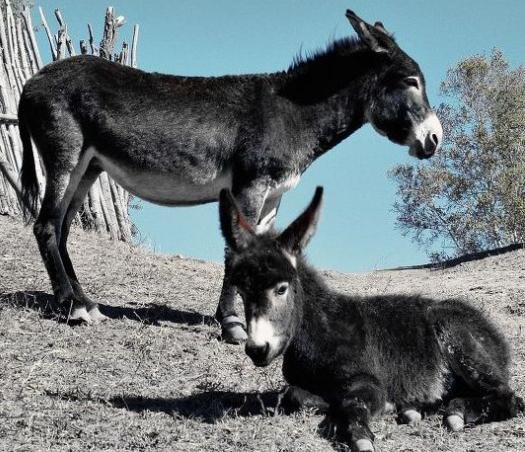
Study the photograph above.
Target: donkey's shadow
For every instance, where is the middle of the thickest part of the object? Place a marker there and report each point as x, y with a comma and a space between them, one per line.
209, 406
151, 314
212, 406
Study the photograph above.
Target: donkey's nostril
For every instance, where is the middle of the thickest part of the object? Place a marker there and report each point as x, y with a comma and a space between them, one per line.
258, 353
435, 139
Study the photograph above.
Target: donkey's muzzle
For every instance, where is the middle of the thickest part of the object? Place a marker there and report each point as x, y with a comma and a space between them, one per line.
426, 149
426, 137
259, 354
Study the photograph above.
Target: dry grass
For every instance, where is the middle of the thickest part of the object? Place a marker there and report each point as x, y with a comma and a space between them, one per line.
156, 377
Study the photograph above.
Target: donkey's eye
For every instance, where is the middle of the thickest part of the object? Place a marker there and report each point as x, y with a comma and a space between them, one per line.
411, 82
281, 289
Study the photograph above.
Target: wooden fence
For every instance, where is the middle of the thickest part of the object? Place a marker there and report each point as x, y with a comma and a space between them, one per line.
105, 209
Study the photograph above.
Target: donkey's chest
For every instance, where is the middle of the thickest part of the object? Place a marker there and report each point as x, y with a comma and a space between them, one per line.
177, 188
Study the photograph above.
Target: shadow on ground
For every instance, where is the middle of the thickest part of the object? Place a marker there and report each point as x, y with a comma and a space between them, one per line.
208, 406
44, 304
212, 406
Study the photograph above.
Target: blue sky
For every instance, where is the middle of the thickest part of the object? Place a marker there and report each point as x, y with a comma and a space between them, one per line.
213, 37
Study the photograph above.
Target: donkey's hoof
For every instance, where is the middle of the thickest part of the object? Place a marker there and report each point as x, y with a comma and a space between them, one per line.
411, 417
233, 330
96, 315
80, 314
363, 445
234, 334
455, 422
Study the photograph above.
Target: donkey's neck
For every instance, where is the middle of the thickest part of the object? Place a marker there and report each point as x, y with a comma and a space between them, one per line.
332, 89
315, 301
304, 357
334, 120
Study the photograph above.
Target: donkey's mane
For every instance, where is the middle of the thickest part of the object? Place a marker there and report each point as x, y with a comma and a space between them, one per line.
322, 73
331, 53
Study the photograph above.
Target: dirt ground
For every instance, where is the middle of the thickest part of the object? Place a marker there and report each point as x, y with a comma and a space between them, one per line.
156, 376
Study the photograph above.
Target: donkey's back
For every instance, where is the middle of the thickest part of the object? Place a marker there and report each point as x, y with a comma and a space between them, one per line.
422, 350
124, 110
168, 139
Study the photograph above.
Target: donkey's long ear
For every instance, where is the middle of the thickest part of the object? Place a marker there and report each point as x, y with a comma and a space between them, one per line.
381, 28
296, 236
372, 36
235, 229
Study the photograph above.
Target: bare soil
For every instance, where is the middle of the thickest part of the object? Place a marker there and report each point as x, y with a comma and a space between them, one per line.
156, 376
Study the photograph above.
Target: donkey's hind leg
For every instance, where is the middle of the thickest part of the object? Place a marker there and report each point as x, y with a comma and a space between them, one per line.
65, 165
478, 357
86, 306
487, 396
498, 406
47, 229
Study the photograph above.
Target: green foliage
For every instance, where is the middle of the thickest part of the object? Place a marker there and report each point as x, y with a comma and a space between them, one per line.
471, 195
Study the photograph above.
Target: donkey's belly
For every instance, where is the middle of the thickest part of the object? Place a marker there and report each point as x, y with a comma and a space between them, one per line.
172, 189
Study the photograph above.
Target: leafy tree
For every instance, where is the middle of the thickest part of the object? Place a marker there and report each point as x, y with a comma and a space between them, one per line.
471, 195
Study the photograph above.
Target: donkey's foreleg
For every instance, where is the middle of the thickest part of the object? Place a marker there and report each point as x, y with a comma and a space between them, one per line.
233, 330
259, 211
296, 398
361, 398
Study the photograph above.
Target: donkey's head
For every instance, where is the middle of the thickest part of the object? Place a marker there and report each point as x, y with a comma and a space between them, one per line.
398, 105
264, 271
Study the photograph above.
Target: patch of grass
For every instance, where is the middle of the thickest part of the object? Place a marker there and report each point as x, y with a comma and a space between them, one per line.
156, 377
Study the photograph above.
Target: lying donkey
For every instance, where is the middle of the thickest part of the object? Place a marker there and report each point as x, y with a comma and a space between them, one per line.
360, 354
179, 140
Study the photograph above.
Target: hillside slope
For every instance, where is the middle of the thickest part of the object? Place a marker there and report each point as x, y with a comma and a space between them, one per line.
156, 377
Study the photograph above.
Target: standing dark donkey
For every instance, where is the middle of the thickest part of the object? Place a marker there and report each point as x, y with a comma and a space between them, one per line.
360, 354
179, 140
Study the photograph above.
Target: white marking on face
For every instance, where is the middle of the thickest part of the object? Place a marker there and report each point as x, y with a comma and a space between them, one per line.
430, 125
261, 332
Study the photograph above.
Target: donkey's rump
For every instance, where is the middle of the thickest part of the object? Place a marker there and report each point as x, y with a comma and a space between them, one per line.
458, 351
475, 349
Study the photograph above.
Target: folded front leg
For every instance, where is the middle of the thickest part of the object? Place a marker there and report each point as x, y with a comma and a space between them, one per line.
359, 399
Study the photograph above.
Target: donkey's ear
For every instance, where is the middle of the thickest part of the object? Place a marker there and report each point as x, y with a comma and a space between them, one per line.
379, 26
235, 229
296, 236
369, 34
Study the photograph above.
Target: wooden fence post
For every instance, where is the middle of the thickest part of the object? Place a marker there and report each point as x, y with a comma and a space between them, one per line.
106, 206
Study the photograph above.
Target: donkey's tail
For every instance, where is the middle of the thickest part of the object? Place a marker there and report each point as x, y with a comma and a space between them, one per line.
28, 178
